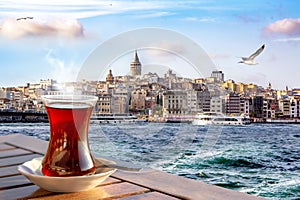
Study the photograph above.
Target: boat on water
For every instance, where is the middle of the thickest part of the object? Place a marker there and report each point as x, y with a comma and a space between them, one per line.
178, 119
115, 118
212, 118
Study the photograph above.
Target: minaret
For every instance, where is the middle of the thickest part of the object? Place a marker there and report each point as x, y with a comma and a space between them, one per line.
135, 66
109, 77
269, 86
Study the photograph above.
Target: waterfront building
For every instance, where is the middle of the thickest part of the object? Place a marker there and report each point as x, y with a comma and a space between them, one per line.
151, 101
245, 105
295, 106
103, 105
174, 103
269, 108
217, 104
137, 100
135, 66
192, 101
203, 100
198, 101
257, 106
297, 103
29, 104
232, 104
120, 99
16, 99
284, 107
120, 104
4, 103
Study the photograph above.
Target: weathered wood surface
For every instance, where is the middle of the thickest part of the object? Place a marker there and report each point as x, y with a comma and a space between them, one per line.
146, 184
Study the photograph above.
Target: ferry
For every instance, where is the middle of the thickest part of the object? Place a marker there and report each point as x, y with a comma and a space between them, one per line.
115, 118
178, 119
212, 118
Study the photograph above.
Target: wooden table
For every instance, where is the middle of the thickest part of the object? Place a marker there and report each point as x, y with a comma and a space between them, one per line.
150, 184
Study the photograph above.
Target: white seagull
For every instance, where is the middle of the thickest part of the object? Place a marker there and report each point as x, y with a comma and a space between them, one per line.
249, 60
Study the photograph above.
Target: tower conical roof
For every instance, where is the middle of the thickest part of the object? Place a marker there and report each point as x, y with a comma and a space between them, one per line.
136, 58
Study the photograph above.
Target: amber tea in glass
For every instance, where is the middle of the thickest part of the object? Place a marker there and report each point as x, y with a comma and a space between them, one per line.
68, 152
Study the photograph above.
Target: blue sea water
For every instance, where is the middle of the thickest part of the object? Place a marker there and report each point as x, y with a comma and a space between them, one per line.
259, 159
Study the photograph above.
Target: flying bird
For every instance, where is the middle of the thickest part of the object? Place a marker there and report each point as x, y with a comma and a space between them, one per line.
249, 60
24, 18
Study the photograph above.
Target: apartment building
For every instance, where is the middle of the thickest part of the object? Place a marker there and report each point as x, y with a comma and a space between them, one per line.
175, 103
244, 106
232, 104
257, 106
217, 104
103, 105
138, 100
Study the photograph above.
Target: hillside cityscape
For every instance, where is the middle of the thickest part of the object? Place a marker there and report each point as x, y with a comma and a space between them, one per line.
153, 97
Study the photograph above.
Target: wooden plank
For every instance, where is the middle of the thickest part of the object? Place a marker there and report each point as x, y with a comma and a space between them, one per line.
5, 147
150, 195
26, 142
13, 181
8, 171
14, 152
17, 160
34, 191
104, 192
181, 187
26, 192
109, 181
4, 138
123, 189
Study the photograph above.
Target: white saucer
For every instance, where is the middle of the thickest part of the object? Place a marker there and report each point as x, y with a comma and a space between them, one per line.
32, 171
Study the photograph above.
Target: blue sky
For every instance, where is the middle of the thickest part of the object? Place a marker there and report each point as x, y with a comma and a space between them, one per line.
62, 35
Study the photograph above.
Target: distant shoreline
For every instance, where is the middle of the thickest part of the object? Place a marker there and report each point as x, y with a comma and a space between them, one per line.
23, 117
35, 117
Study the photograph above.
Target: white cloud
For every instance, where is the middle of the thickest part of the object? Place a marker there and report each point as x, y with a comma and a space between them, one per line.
288, 27
12, 28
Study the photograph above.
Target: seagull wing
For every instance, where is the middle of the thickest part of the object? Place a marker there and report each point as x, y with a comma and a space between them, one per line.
257, 52
21, 18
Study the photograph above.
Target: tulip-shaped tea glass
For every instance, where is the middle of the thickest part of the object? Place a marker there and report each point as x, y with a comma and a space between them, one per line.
68, 152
